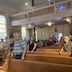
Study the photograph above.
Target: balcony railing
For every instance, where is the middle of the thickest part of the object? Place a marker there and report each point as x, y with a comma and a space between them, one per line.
42, 10
18, 17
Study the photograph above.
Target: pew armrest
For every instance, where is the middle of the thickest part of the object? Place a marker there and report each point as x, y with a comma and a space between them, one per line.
4, 67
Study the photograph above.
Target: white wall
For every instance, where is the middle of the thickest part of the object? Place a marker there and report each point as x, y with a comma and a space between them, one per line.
29, 33
50, 30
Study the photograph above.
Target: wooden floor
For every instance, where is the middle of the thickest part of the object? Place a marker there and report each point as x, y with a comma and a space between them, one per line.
43, 60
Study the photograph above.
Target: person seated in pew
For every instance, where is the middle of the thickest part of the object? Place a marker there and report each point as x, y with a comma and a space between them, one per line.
70, 37
39, 43
25, 40
54, 39
50, 42
32, 45
61, 42
2, 43
44, 43
12, 42
19, 47
67, 45
7, 43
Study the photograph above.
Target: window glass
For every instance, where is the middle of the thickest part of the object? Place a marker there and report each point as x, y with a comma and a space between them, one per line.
3, 32
23, 29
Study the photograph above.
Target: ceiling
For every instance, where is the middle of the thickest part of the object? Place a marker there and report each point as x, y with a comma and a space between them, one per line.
20, 4
17, 4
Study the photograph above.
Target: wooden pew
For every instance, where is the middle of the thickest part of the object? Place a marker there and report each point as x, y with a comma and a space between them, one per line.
4, 67
49, 50
50, 47
33, 66
50, 59
51, 53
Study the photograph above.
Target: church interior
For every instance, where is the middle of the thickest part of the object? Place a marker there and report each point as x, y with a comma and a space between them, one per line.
35, 35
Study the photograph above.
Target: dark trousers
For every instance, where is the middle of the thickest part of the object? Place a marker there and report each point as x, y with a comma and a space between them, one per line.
19, 56
0, 60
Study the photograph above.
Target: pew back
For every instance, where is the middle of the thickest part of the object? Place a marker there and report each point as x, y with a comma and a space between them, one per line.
50, 47
50, 59
50, 53
49, 50
30, 66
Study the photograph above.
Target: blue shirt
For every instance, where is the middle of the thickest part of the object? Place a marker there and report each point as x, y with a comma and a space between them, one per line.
19, 46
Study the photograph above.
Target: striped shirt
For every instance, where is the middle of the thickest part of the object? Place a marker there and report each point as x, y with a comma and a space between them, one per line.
19, 46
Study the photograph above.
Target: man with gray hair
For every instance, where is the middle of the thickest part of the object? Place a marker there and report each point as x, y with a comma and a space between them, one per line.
19, 47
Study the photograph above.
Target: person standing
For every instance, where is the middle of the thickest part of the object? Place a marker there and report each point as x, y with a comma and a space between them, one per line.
19, 47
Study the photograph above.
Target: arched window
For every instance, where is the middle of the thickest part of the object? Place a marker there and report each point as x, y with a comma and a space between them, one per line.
23, 31
3, 32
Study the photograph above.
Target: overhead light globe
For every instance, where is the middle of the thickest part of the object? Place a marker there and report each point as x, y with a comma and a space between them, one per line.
26, 4
68, 20
49, 0
49, 23
29, 25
